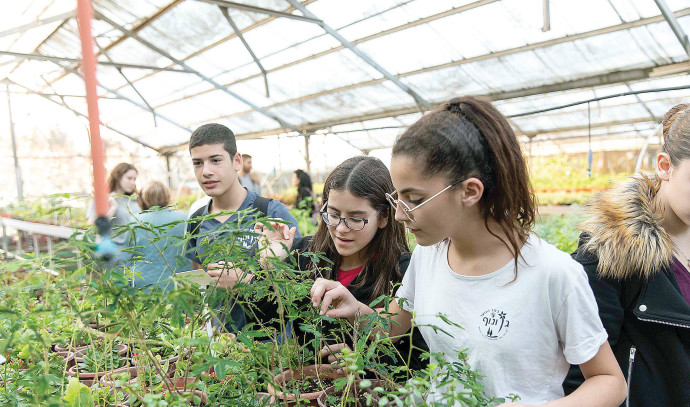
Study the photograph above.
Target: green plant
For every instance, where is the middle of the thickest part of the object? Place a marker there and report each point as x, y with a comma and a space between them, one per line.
38, 310
560, 230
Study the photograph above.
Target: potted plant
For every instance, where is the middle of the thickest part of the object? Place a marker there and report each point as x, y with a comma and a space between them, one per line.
98, 360
306, 383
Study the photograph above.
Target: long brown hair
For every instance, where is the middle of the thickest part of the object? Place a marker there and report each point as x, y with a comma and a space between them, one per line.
468, 137
116, 175
368, 178
676, 125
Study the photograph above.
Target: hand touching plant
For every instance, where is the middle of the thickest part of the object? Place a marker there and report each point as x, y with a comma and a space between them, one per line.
275, 240
325, 293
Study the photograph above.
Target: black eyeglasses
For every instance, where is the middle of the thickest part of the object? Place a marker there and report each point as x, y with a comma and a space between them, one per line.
352, 222
394, 201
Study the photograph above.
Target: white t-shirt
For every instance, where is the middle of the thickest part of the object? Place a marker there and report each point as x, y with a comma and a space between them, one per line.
521, 336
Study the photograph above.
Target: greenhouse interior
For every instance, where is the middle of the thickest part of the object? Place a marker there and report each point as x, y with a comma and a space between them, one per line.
243, 194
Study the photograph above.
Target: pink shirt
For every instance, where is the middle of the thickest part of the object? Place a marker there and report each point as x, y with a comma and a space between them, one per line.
346, 276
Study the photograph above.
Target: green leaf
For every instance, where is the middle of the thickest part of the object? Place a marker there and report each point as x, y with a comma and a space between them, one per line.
78, 394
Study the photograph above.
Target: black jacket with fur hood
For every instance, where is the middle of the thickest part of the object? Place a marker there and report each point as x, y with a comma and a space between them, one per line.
627, 256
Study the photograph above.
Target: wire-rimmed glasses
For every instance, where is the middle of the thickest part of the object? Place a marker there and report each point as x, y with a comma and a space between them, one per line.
394, 201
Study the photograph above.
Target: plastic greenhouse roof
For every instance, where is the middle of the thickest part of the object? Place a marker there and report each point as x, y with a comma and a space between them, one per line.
359, 70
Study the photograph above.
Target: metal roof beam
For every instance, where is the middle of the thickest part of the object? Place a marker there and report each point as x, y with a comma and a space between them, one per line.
131, 85
421, 21
606, 79
419, 100
260, 10
83, 115
673, 23
497, 54
223, 40
36, 48
60, 95
143, 24
239, 34
535, 133
41, 57
643, 104
195, 72
123, 97
38, 23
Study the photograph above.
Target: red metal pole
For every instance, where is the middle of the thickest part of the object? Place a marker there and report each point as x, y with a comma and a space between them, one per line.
84, 15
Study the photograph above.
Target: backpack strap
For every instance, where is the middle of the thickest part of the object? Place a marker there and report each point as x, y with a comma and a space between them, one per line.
261, 204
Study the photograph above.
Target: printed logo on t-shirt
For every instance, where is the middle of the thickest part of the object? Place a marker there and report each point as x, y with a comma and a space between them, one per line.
494, 324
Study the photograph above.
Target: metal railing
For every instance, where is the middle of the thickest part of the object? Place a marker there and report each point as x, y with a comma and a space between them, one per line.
33, 231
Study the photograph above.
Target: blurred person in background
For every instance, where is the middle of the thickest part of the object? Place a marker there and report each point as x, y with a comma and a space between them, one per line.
158, 245
122, 202
305, 194
247, 178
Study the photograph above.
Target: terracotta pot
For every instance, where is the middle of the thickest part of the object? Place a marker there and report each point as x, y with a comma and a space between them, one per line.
186, 386
323, 398
181, 385
172, 363
68, 360
324, 371
90, 378
78, 350
122, 350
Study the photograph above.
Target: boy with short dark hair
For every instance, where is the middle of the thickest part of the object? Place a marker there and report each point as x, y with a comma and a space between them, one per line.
216, 163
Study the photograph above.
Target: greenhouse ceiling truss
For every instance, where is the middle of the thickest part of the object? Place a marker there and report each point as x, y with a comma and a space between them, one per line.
262, 66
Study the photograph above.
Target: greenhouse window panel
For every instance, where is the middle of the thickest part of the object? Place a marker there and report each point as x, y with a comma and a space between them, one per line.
672, 81
660, 107
27, 41
190, 112
157, 88
252, 122
336, 13
215, 104
331, 71
226, 57
301, 51
129, 12
130, 50
443, 84
402, 51
583, 15
279, 34
187, 28
354, 102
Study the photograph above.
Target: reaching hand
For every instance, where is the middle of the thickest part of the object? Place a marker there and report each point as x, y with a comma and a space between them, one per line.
112, 207
325, 293
333, 352
271, 241
226, 275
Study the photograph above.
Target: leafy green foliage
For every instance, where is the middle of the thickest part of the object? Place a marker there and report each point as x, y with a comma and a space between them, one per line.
95, 304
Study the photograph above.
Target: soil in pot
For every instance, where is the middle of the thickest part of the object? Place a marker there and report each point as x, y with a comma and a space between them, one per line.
309, 382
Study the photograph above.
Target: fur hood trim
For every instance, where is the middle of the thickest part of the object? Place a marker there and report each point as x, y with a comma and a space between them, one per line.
625, 231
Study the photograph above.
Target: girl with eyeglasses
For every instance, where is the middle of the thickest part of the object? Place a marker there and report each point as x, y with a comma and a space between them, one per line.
367, 247
525, 308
